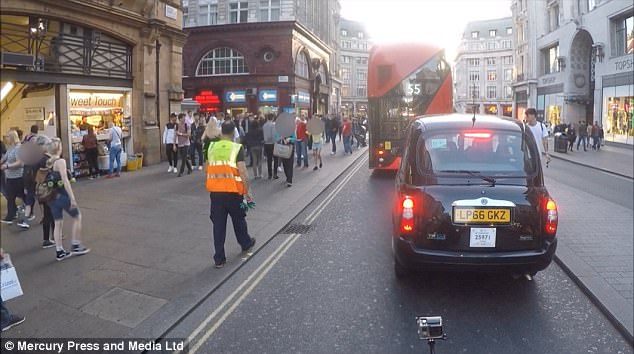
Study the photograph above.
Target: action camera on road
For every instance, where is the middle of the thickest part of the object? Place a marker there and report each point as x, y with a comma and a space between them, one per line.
430, 327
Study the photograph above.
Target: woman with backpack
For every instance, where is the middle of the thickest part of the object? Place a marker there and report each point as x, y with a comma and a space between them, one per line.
13, 169
64, 200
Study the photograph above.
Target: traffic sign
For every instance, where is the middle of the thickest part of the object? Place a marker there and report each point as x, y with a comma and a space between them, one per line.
267, 95
236, 96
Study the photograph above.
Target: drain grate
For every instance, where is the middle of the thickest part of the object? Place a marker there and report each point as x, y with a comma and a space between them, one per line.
296, 229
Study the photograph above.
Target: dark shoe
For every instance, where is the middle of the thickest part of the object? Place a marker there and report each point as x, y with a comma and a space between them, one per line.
23, 225
220, 264
118, 175
5, 221
189, 172
289, 184
320, 165
315, 168
250, 246
63, 254
14, 321
180, 175
109, 176
276, 177
48, 244
79, 250
270, 177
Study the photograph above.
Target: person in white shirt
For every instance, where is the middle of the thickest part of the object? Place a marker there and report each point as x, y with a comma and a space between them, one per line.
115, 135
540, 132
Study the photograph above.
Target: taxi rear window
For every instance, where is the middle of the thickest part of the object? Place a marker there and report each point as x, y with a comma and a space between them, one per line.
487, 152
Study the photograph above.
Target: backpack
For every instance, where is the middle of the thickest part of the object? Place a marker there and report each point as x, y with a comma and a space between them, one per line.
45, 186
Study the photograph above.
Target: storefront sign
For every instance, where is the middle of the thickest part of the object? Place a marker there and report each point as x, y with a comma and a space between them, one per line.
34, 113
267, 95
171, 12
548, 80
301, 97
93, 100
623, 65
236, 96
282, 79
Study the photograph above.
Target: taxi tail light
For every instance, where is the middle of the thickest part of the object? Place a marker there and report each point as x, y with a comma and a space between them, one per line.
552, 217
407, 215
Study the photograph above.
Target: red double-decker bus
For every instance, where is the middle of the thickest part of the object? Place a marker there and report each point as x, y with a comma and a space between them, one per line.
404, 81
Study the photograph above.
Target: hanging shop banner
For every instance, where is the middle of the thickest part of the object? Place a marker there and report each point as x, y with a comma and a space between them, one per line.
267, 95
235, 96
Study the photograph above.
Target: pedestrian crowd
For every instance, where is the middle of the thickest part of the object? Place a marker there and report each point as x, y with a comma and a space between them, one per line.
586, 135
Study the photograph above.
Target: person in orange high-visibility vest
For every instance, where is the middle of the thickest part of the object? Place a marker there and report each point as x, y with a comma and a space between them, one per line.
227, 183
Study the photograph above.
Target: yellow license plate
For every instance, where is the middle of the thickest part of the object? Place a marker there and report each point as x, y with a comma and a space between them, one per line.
481, 216
388, 145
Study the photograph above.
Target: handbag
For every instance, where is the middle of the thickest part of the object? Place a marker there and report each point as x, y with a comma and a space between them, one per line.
10, 283
282, 151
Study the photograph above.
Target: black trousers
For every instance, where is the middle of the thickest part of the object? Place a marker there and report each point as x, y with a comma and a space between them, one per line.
223, 204
288, 166
14, 190
197, 149
271, 160
93, 165
172, 156
48, 223
183, 152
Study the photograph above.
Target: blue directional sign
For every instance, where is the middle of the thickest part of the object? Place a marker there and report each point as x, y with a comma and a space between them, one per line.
301, 97
267, 95
236, 96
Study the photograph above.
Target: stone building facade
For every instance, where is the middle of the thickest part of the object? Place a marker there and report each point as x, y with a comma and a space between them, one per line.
574, 62
483, 71
70, 64
353, 58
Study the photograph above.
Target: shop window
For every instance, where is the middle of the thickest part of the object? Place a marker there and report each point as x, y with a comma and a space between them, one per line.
301, 66
622, 33
222, 61
618, 113
269, 10
238, 12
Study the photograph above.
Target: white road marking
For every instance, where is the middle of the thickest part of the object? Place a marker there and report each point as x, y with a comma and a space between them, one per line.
237, 303
235, 292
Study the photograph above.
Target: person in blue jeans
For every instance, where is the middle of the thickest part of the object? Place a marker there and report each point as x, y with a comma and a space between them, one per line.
301, 144
115, 137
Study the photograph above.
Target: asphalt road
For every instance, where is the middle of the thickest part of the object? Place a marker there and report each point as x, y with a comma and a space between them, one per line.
332, 289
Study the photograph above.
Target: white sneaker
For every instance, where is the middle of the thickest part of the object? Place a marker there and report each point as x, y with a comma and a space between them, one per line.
175, 170
169, 169
200, 168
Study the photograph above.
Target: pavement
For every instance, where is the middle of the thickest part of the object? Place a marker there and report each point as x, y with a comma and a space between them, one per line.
599, 259
151, 259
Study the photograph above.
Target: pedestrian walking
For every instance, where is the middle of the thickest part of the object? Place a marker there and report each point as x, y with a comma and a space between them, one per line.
227, 184
317, 144
582, 136
255, 141
89, 141
601, 136
572, 135
183, 133
169, 140
268, 133
346, 131
115, 135
48, 223
13, 169
28, 154
3, 151
287, 164
301, 143
332, 128
198, 129
588, 133
64, 200
539, 131
596, 144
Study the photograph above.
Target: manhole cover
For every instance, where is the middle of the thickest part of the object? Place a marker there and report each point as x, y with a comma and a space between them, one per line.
296, 229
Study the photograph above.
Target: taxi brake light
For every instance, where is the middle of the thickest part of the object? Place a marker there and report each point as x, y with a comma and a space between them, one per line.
407, 216
552, 217
478, 135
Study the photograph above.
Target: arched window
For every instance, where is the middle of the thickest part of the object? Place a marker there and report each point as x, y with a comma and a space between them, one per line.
222, 61
322, 74
301, 66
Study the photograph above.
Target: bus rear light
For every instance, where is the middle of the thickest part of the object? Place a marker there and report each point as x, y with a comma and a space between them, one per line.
381, 152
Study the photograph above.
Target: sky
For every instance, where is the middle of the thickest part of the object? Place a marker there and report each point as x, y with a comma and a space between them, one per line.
439, 22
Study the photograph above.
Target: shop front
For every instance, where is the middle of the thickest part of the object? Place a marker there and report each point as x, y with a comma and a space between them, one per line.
507, 110
549, 107
208, 101
618, 108
521, 104
267, 101
96, 108
491, 109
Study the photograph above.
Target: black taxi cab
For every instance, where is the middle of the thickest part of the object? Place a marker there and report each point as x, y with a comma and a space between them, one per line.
471, 196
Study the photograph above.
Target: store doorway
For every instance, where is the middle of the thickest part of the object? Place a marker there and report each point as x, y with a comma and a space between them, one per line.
582, 73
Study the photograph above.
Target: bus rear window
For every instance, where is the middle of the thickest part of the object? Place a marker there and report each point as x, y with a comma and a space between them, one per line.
487, 152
